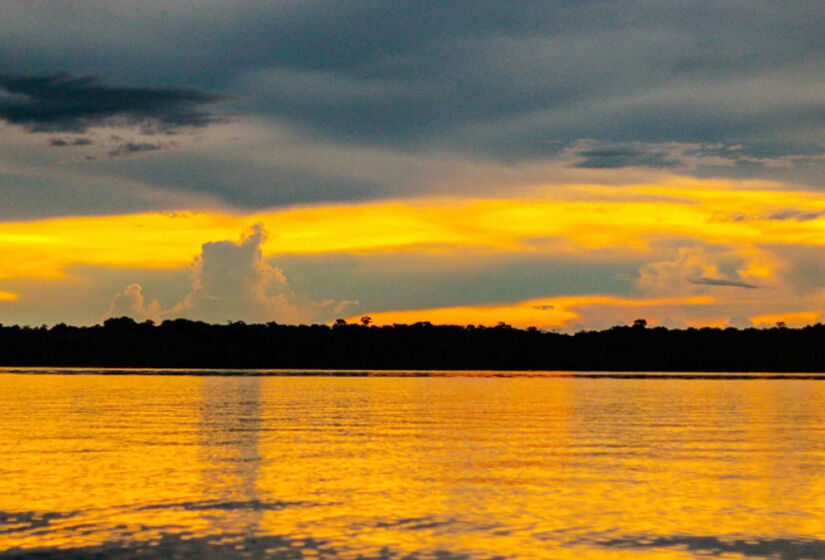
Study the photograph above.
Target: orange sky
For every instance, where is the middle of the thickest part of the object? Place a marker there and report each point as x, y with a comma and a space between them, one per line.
713, 240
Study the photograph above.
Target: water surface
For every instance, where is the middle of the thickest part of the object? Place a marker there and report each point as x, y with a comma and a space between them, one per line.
467, 466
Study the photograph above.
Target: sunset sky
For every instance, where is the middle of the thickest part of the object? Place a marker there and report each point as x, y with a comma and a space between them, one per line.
562, 164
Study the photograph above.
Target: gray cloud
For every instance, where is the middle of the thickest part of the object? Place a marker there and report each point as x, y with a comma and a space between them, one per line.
780, 215
520, 81
63, 143
615, 158
509, 78
721, 282
525, 72
130, 148
797, 215
60, 103
245, 183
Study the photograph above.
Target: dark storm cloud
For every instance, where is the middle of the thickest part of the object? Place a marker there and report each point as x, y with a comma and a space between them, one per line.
616, 158
721, 282
507, 79
512, 80
60, 103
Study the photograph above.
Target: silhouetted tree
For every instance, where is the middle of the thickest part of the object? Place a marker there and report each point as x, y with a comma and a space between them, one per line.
121, 342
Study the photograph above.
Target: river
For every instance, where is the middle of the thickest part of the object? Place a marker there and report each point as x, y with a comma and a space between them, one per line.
471, 465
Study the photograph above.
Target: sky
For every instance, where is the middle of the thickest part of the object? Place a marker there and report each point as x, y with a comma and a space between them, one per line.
562, 164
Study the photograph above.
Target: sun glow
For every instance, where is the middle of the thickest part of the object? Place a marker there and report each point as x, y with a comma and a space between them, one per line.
544, 312
796, 319
8, 296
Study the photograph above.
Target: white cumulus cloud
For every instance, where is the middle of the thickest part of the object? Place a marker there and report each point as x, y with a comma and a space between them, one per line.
231, 281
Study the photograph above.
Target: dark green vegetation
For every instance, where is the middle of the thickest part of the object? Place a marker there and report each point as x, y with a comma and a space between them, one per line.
181, 343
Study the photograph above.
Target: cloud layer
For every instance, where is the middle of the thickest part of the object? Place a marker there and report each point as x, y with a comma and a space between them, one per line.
505, 79
357, 101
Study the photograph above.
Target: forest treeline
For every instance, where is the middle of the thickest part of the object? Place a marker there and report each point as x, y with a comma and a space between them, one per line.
181, 343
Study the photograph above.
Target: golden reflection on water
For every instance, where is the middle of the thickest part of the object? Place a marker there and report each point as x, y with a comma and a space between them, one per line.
524, 468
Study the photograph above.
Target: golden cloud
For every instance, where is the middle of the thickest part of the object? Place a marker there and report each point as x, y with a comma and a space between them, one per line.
566, 220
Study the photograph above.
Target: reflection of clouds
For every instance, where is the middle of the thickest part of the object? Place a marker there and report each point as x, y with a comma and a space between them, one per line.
255, 505
294, 467
228, 546
784, 548
229, 434
13, 522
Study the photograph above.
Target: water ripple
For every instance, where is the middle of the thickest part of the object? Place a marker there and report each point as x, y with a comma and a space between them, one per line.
783, 548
